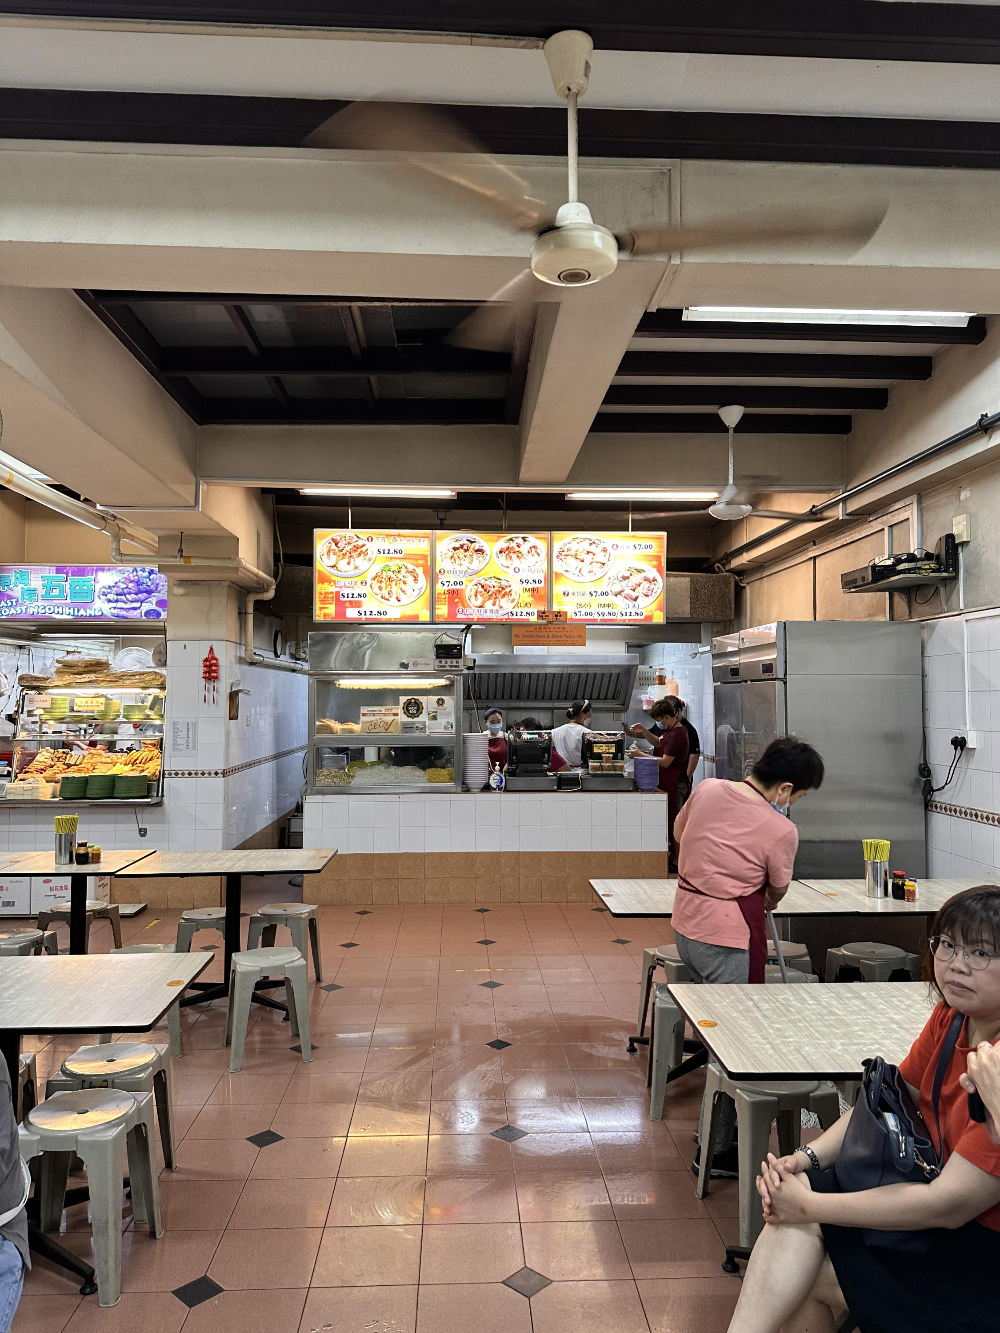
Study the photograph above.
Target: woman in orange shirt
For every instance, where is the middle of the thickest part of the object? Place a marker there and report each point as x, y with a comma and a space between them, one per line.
811, 1260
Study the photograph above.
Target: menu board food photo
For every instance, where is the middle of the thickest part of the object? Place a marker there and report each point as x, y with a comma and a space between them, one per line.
372, 575
490, 576
609, 576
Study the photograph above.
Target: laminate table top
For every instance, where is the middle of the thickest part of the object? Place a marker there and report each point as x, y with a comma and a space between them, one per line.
45, 863
277, 861
93, 992
805, 1032
850, 893
9, 861
655, 898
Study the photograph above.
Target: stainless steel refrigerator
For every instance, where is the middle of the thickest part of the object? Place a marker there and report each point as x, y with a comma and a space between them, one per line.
854, 690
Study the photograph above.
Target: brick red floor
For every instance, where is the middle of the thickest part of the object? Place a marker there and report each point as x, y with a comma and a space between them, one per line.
389, 1204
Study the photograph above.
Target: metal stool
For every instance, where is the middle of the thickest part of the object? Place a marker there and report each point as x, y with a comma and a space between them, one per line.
199, 918
27, 1086
666, 1047
174, 1012
875, 962
60, 912
128, 1067
758, 1104
772, 975
96, 1124
252, 965
21, 942
302, 919
795, 955
667, 957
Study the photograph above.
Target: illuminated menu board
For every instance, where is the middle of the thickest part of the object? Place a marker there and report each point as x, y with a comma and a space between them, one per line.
372, 575
490, 576
608, 577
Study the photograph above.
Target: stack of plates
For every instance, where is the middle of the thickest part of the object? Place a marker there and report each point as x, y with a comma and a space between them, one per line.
72, 788
100, 786
128, 787
475, 760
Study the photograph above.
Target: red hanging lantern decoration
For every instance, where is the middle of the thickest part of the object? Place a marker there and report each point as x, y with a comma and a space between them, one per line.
210, 675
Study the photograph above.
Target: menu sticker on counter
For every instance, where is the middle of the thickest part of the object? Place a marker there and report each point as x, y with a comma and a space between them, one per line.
372, 575
491, 576
608, 577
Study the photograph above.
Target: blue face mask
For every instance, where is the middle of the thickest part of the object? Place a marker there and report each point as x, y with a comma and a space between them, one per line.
495, 728
781, 809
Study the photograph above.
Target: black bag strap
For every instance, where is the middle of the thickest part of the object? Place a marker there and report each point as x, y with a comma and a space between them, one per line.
944, 1061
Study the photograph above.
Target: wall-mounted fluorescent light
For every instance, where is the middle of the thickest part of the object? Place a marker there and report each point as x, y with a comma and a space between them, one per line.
748, 314
638, 497
382, 492
9, 461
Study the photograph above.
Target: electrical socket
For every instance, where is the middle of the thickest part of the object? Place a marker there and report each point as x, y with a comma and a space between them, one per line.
971, 740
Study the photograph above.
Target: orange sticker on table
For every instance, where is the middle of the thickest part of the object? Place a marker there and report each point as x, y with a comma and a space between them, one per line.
182, 982
707, 1023
609, 577
368, 575
490, 576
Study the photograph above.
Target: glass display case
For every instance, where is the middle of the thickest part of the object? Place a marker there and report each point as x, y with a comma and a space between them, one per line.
382, 731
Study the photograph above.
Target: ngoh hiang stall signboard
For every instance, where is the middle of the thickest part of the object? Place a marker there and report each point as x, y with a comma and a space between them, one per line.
82, 592
500, 576
364, 575
609, 577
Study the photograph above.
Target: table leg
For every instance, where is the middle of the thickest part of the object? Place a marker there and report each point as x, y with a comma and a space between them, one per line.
78, 913
10, 1047
210, 990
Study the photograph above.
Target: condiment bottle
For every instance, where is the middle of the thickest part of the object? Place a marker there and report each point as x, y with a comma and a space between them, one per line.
82, 854
95, 854
899, 885
911, 890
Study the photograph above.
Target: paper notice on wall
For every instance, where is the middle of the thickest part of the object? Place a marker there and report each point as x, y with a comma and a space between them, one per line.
441, 714
184, 737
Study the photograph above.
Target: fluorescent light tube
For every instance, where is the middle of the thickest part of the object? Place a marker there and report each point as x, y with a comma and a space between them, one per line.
678, 497
383, 492
747, 314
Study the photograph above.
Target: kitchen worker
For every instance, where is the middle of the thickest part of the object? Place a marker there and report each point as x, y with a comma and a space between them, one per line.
684, 784
670, 745
736, 857
497, 744
567, 740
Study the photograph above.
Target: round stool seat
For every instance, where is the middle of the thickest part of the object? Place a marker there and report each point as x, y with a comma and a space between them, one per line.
126, 1057
668, 951
203, 914
875, 953
772, 976
71, 1111
788, 950
257, 958
146, 948
63, 909
289, 909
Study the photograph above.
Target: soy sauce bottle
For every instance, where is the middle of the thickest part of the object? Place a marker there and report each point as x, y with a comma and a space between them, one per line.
899, 885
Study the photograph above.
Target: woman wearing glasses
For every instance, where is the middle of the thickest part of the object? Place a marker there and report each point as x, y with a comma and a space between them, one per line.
812, 1261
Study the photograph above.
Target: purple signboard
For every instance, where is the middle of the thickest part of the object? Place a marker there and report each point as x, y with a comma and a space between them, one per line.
82, 592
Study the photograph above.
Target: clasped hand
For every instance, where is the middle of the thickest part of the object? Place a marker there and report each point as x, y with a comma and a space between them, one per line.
785, 1190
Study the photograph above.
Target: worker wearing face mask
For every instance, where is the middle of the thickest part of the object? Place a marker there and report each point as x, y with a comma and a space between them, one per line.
497, 744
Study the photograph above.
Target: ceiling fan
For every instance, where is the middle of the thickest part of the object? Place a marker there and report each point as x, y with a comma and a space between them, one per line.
570, 249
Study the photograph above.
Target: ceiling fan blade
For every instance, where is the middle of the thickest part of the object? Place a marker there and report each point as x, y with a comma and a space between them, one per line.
492, 327
413, 133
846, 232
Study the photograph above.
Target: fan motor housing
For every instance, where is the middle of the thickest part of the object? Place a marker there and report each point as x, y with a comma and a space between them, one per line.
574, 254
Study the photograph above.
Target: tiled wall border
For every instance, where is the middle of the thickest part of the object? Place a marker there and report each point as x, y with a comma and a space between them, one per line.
965, 812
236, 768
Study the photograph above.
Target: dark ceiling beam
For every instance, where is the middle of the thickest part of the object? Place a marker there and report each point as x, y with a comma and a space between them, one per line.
776, 365
355, 411
848, 29
707, 423
357, 340
244, 327
671, 324
833, 399
332, 362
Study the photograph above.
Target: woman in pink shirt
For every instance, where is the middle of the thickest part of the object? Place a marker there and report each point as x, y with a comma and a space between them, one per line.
737, 852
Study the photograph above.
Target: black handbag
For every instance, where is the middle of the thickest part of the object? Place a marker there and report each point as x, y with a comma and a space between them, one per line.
887, 1141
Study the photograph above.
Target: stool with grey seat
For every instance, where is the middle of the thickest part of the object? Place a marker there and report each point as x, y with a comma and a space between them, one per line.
174, 1012
15, 943
772, 975
97, 1124
302, 919
252, 965
27, 1086
199, 918
130, 1066
95, 911
795, 955
758, 1104
666, 957
875, 962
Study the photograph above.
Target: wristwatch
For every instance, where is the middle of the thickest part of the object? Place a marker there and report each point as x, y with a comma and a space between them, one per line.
804, 1148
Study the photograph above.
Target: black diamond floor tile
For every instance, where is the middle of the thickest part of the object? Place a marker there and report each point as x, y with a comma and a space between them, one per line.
510, 1134
598, 909
364, 912
621, 941
498, 1044
526, 1282
332, 986
298, 1049
486, 941
482, 910
491, 985
349, 945
201, 1289
265, 1138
